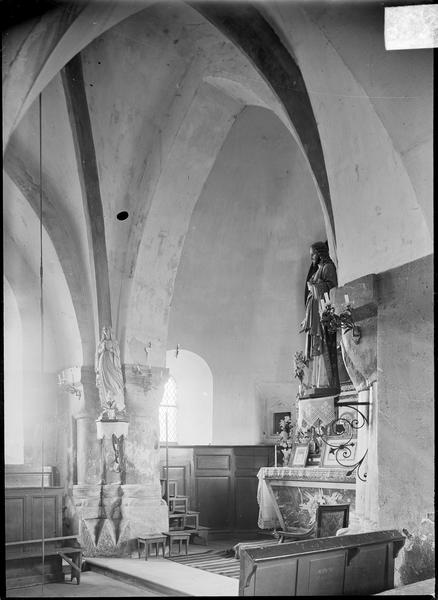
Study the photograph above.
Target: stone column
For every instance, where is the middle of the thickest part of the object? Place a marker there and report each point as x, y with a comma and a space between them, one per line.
143, 509
87, 444
112, 512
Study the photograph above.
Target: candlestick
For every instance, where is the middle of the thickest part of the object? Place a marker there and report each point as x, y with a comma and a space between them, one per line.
322, 304
347, 299
275, 455
327, 297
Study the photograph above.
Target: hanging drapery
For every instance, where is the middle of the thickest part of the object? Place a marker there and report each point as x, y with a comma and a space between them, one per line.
316, 411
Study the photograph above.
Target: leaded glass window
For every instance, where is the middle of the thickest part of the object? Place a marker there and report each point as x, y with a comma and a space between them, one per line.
168, 407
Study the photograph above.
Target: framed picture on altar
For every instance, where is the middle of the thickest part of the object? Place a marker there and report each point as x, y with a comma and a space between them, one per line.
277, 417
334, 456
300, 455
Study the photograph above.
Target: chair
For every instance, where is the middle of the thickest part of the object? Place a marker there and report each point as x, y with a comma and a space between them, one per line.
330, 518
297, 533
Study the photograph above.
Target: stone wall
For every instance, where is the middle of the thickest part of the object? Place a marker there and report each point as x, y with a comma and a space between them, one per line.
405, 412
405, 365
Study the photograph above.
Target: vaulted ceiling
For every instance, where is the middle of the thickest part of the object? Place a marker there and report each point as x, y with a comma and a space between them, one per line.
233, 135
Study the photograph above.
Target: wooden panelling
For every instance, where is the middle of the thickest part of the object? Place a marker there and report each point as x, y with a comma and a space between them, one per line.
15, 518
316, 573
221, 462
47, 507
363, 577
246, 505
23, 513
214, 501
220, 482
280, 577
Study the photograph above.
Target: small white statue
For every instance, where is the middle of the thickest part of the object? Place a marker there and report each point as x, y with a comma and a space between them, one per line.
109, 378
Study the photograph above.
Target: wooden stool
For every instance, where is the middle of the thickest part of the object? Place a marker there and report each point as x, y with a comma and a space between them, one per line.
191, 519
149, 541
178, 536
178, 504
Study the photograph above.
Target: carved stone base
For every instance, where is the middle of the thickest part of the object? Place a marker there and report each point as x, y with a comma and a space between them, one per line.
112, 516
144, 509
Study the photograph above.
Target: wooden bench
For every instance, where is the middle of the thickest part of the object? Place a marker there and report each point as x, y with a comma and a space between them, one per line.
345, 565
24, 559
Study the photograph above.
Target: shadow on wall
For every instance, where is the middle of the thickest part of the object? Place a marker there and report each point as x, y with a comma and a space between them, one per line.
194, 397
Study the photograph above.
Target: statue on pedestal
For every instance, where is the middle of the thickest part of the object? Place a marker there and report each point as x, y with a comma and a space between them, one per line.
109, 378
320, 345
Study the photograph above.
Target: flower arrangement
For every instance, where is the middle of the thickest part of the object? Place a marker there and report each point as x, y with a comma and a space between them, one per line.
300, 363
285, 441
111, 412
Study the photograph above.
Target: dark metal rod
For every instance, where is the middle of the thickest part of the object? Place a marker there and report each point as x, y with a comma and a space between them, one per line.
41, 338
167, 460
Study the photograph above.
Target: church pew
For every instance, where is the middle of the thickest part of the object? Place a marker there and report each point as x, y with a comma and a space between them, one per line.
358, 564
24, 560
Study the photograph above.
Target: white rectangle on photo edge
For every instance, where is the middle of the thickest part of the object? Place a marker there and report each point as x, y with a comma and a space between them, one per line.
411, 27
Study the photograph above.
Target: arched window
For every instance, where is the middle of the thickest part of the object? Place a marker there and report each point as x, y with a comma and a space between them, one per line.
168, 407
194, 381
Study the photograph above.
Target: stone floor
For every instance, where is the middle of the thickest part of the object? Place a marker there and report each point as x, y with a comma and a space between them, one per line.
420, 588
126, 577
92, 585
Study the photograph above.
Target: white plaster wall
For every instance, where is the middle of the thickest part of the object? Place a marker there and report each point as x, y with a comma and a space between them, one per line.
239, 291
21, 248
13, 378
373, 193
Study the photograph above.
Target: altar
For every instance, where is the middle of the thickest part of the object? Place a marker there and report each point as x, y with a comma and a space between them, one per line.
288, 496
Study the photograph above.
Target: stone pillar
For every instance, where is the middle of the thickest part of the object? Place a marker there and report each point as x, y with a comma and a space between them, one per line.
112, 510
87, 444
142, 505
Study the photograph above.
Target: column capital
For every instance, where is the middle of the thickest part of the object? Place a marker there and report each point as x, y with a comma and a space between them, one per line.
148, 378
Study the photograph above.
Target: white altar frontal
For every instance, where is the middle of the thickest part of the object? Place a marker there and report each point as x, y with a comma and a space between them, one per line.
288, 496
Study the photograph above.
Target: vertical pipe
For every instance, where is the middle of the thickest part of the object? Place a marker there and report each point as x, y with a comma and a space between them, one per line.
41, 342
167, 459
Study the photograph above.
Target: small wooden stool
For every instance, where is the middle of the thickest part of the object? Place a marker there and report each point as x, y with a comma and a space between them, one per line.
191, 519
149, 541
178, 504
178, 536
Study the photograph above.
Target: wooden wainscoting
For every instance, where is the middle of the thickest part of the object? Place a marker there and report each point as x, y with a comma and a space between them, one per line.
220, 482
23, 512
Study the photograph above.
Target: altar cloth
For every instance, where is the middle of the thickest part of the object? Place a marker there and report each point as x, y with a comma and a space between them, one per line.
306, 476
